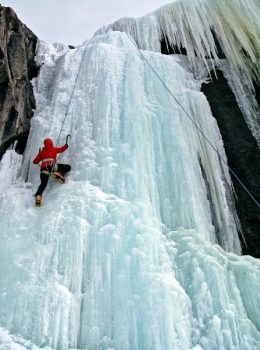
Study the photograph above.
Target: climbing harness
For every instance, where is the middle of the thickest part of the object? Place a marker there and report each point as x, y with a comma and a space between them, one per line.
198, 128
53, 166
48, 160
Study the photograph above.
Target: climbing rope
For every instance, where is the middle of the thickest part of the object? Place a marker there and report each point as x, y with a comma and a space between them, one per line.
66, 113
74, 87
198, 128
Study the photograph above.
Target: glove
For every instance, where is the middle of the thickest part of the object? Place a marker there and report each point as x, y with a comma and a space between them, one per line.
67, 145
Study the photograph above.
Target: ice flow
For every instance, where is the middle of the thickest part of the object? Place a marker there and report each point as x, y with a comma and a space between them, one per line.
139, 248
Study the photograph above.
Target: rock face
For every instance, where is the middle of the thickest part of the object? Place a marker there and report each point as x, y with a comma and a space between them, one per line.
241, 148
243, 157
17, 68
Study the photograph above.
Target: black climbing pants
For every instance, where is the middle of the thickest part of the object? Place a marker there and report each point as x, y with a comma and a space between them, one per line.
62, 168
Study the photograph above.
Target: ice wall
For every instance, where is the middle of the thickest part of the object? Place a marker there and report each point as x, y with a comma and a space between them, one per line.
198, 25
125, 254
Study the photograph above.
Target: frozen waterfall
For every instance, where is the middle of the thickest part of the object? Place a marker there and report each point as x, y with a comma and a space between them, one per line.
126, 255
198, 26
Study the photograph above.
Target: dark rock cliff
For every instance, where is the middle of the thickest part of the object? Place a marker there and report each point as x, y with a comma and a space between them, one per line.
241, 149
17, 68
243, 157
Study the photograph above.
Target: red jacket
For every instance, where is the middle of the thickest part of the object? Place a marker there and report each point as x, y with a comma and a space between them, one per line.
48, 154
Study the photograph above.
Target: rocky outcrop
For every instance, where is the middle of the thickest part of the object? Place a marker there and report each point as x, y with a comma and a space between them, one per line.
243, 157
241, 149
17, 68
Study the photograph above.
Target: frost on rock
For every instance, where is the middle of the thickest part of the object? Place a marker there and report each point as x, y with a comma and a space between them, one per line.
198, 25
124, 255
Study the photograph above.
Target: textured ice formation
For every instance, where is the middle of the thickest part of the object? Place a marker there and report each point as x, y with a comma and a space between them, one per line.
139, 248
199, 26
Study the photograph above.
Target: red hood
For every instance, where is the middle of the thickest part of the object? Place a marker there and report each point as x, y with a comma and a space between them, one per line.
48, 143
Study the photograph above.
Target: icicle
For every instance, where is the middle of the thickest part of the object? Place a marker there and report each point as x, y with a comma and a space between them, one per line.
191, 24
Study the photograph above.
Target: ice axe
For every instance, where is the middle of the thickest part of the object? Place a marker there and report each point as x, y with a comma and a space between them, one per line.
67, 137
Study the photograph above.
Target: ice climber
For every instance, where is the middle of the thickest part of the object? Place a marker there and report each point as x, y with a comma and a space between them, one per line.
47, 157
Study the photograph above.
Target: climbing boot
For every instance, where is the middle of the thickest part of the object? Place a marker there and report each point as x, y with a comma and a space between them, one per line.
38, 199
59, 177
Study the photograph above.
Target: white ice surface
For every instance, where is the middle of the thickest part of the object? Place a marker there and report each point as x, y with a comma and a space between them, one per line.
124, 255
196, 25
